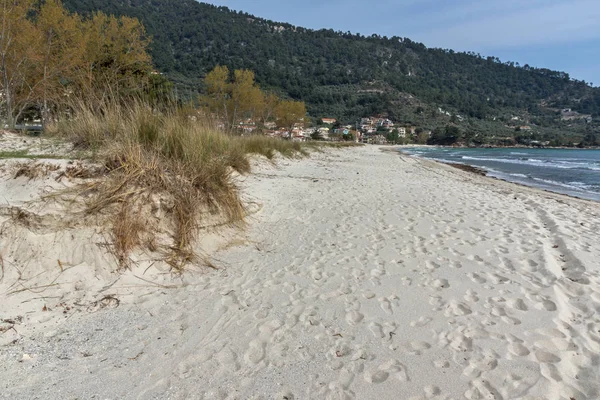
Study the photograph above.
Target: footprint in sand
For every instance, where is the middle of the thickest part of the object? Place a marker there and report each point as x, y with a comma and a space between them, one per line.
376, 376
437, 302
369, 295
439, 284
376, 329
392, 368
255, 353
481, 363
482, 389
516, 346
385, 305
456, 309
421, 322
476, 278
354, 317
471, 296
228, 359
546, 357
498, 279
547, 305
517, 304
417, 347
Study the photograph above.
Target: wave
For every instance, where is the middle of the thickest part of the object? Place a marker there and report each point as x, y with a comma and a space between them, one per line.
570, 185
561, 164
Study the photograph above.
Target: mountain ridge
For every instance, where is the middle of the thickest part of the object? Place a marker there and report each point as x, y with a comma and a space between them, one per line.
346, 75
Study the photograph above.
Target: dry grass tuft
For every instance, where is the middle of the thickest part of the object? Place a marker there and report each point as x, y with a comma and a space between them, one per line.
127, 231
269, 147
1, 268
34, 170
78, 170
164, 172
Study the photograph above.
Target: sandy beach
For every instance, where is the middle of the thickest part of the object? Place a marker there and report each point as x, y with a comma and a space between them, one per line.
362, 274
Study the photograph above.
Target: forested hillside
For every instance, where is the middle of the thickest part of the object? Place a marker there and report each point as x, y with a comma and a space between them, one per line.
345, 75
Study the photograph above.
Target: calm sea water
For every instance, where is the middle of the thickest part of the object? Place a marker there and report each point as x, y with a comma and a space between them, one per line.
574, 172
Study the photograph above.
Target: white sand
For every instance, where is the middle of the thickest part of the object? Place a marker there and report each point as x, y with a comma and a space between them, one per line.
366, 275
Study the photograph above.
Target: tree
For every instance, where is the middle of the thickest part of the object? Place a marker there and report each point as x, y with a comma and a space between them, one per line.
445, 136
316, 135
18, 58
422, 137
290, 112
452, 134
61, 52
159, 90
270, 105
393, 136
590, 139
246, 99
237, 98
116, 57
218, 91
48, 56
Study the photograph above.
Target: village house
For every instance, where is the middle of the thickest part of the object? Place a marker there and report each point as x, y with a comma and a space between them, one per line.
341, 131
329, 121
384, 122
247, 126
377, 139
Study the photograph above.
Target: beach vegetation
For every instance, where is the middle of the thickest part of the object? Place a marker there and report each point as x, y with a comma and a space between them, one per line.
163, 163
49, 56
168, 168
234, 98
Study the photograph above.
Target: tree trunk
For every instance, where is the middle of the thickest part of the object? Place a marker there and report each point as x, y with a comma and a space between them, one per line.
10, 122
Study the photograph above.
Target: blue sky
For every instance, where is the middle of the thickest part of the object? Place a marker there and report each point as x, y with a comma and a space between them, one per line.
557, 34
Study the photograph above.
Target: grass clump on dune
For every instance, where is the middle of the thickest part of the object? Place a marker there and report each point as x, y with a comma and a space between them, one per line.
269, 147
166, 175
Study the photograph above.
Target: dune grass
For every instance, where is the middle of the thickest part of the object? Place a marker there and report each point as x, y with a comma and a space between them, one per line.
163, 163
25, 155
269, 147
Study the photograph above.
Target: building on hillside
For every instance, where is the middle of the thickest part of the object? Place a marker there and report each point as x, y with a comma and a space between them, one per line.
341, 131
329, 121
323, 132
377, 139
298, 135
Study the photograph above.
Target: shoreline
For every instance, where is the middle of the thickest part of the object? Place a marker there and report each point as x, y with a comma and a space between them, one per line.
499, 147
361, 275
484, 172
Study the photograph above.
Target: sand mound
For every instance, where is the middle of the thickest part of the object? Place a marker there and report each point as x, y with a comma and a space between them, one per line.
56, 259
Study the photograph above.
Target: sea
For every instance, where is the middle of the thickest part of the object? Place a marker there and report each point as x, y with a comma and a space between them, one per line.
575, 172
